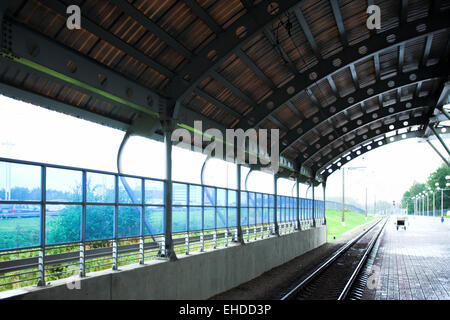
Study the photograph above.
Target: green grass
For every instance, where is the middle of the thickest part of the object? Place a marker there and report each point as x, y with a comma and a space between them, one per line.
352, 220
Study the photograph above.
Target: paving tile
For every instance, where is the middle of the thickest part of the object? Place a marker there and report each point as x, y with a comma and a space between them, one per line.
414, 263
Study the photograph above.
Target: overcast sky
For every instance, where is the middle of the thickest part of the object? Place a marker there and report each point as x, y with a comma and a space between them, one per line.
32, 133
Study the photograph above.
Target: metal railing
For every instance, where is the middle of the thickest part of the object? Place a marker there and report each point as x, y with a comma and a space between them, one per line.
56, 221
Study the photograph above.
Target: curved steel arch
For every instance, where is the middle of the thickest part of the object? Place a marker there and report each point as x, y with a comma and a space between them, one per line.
348, 57
363, 150
360, 96
365, 138
365, 121
371, 134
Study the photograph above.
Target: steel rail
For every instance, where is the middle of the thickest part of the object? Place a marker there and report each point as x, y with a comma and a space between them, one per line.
325, 265
360, 265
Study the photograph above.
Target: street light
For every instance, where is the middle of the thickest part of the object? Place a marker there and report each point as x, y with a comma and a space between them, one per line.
423, 203
447, 185
434, 198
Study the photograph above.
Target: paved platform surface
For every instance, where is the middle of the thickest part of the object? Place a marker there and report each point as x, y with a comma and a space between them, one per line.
413, 264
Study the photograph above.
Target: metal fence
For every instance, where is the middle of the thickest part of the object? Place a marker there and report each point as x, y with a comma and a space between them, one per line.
431, 213
56, 221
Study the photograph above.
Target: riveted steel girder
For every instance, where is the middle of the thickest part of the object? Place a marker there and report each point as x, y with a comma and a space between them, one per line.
36, 99
39, 52
355, 154
359, 96
365, 121
376, 44
41, 55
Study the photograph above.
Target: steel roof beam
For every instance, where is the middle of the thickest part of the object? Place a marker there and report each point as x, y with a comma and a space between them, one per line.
152, 27
52, 104
52, 59
354, 76
437, 152
339, 21
307, 31
269, 35
440, 139
435, 7
51, 62
256, 70
321, 113
404, 12
333, 85
363, 139
444, 97
224, 45
375, 44
278, 123
359, 96
201, 13
357, 124
361, 143
237, 92
294, 110
376, 64
109, 37
354, 155
401, 57
247, 3
217, 103
426, 52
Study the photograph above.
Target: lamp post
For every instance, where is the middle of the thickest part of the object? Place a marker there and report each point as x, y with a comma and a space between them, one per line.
423, 204
415, 205
438, 188
434, 200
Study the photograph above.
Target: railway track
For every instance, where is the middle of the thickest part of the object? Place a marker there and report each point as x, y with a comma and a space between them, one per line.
344, 274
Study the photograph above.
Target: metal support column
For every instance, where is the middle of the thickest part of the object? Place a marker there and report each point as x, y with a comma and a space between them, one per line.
297, 187
423, 206
324, 185
440, 139
115, 258
442, 202
239, 239
445, 113
437, 151
169, 248
434, 204
142, 225
186, 235
313, 206
82, 272
343, 197
275, 205
41, 258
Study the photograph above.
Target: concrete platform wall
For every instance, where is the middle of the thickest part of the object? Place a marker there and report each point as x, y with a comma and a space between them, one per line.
196, 276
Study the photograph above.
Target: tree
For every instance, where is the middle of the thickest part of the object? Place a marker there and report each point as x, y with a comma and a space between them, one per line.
438, 177
414, 190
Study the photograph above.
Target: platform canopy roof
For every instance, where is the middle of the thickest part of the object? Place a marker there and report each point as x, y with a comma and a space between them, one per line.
313, 69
